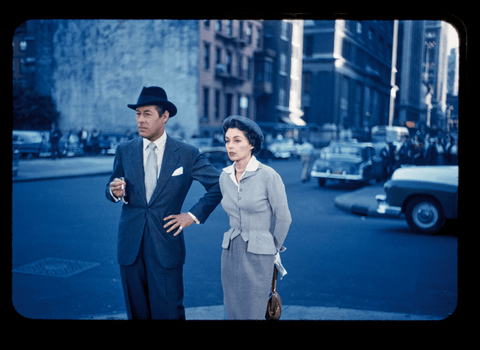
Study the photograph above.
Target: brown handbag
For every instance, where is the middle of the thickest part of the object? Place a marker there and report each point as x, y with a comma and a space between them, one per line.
274, 306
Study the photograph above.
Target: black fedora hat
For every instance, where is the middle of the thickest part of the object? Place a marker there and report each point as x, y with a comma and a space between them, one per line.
154, 96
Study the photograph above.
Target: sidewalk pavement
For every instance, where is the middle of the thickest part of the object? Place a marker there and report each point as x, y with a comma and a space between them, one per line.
293, 313
47, 168
360, 202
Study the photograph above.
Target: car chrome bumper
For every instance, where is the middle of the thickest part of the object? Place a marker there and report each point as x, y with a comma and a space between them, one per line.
385, 209
342, 176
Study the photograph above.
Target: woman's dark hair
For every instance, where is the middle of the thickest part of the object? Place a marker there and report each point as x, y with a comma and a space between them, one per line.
251, 136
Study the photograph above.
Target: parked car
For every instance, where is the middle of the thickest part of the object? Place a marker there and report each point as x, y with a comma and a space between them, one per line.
427, 195
283, 148
108, 142
347, 160
31, 143
15, 160
213, 150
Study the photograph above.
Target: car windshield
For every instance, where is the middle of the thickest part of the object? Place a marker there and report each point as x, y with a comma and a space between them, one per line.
343, 150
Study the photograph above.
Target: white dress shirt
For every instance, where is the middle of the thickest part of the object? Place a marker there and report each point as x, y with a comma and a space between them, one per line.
160, 150
160, 143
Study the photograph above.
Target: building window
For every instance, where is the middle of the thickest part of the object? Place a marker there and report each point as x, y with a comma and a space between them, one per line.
249, 33
206, 23
283, 34
218, 55
241, 29
240, 65
229, 63
249, 68
218, 25
259, 39
205, 103
268, 71
359, 27
283, 63
217, 104
229, 27
259, 71
281, 97
206, 55
307, 82
370, 34
308, 45
242, 106
246, 104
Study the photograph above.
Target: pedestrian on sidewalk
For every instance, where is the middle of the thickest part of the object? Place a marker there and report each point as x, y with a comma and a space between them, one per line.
388, 160
255, 200
452, 152
152, 175
55, 135
418, 151
306, 151
405, 151
94, 139
83, 138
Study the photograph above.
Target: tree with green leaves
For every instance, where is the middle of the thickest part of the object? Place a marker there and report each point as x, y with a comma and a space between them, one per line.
32, 111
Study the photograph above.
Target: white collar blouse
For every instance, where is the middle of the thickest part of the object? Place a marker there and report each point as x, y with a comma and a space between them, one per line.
251, 166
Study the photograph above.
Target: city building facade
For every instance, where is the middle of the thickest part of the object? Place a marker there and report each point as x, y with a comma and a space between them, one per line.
347, 72
411, 98
435, 73
226, 70
278, 73
209, 68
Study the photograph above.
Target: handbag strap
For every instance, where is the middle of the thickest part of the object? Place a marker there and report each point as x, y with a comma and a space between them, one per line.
274, 280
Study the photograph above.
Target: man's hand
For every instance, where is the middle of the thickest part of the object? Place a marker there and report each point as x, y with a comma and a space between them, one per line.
181, 221
118, 187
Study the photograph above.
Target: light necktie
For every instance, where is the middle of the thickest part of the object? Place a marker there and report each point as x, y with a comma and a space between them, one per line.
151, 171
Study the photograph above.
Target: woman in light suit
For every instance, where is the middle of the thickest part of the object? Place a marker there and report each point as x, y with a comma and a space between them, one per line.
255, 200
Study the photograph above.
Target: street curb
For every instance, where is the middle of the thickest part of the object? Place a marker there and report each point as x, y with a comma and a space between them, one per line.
48, 169
53, 177
351, 203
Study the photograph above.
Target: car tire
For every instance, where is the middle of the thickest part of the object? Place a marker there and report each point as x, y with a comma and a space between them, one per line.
322, 181
424, 215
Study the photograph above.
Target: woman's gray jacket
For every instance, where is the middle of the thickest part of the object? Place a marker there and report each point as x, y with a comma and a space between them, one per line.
257, 208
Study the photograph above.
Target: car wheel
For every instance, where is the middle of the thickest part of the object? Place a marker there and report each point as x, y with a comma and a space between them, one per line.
322, 181
424, 215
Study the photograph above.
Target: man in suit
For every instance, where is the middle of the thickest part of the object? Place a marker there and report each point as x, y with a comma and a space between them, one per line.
152, 176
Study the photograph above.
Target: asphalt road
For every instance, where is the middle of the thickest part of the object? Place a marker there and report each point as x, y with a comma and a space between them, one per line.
333, 258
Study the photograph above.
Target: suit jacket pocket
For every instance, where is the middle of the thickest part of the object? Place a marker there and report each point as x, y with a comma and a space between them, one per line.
178, 171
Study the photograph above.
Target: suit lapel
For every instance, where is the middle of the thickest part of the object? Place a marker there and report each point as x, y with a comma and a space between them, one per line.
134, 159
169, 163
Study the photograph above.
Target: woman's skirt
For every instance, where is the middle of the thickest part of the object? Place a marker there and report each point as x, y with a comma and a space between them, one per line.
246, 280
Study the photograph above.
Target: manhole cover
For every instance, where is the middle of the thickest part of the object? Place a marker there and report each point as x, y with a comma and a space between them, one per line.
55, 267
